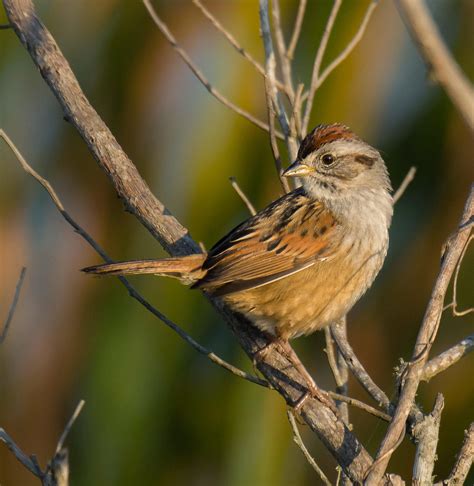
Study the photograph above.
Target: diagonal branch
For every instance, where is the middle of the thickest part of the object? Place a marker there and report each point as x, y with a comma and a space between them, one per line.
299, 442
438, 59
289, 383
199, 74
16, 296
234, 42
449, 357
464, 461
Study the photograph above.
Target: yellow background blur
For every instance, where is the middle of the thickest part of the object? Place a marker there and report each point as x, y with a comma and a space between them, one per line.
157, 412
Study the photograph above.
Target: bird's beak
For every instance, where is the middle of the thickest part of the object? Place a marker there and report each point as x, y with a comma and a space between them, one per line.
298, 169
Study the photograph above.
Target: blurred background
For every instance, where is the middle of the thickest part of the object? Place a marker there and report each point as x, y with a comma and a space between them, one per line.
156, 411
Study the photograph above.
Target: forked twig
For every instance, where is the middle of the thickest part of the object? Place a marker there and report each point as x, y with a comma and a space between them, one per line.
199, 74
234, 42
318, 61
350, 46
14, 303
131, 290
299, 442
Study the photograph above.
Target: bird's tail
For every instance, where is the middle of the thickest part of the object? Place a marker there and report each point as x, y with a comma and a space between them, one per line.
188, 268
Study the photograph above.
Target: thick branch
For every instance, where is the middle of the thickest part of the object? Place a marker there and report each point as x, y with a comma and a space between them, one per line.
436, 55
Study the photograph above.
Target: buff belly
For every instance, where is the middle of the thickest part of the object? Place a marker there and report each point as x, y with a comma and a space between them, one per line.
309, 299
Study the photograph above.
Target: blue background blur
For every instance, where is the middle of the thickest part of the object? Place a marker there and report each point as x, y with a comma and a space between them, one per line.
157, 412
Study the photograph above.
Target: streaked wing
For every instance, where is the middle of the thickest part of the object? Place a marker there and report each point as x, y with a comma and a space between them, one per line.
291, 234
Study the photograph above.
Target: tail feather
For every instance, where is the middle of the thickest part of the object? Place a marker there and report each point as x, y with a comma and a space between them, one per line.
188, 269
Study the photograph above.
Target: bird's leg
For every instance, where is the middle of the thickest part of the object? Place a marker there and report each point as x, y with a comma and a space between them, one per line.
313, 389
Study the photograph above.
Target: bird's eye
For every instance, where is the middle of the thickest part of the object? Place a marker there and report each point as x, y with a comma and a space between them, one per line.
327, 159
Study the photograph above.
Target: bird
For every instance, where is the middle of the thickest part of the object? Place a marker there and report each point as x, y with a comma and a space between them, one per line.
301, 263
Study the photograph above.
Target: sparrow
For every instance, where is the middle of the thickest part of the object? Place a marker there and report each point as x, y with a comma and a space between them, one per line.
302, 262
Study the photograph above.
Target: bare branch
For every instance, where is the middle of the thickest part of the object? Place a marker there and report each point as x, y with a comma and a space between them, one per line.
16, 296
357, 369
296, 30
199, 74
281, 47
318, 61
426, 434
243, 196
57, 470
234, 42
440, 63
299, 442
448, 358
5, 26
20, 455
425, 339
405, 183
131, 290
454, 303
464, 461
339, 371
69, 425
350, 46
362, 405
270, 89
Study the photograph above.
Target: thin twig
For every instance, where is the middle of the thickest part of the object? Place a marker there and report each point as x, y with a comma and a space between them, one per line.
5, 26
270, 89
281, 48
405, 183
454, 303
243, 196
317, 62
199, 74
449, 357
234, 42
362, 405
357, 368
296, 30
131, 290
299, 442
426, 336
14, 303
463, 462
350, 46
440, 63
69, 425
